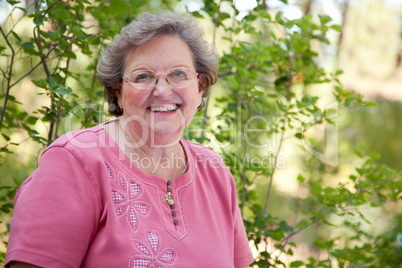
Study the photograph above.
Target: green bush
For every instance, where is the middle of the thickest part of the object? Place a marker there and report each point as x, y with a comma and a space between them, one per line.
262, 101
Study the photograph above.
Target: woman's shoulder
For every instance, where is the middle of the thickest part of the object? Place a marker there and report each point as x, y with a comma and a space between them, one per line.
200, 150
79, 138
203, 154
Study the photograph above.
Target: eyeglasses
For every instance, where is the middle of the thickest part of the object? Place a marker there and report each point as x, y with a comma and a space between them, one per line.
144, 80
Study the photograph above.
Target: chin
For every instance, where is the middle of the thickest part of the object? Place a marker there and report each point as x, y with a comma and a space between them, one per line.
166, 132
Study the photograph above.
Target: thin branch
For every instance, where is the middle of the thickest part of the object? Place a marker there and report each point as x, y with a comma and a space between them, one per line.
290, 81
345, 11
286, 239
242, 103
49, 7
7, 78
38, 41
37, 65
3, 73
263, 4
244, 180
273, 173
61, 55
205, 115
94, 69
58, 119
12, 28
233, 19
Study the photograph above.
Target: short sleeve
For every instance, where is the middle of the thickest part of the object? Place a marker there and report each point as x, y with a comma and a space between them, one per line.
56, 213
242, 252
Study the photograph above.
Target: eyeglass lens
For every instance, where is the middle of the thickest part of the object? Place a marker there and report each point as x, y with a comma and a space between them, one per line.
146, 79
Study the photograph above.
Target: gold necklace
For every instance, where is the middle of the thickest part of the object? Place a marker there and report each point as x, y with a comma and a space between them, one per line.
168, 198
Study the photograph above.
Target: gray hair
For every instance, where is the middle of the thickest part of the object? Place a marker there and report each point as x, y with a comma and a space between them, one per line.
148, 27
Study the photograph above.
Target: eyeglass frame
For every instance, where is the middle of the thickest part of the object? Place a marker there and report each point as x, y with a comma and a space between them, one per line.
125, 78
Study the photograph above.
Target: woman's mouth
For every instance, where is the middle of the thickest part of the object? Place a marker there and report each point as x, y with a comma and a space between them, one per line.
164, 108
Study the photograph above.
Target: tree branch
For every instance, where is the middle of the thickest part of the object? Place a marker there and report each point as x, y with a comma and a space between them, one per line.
204, 115
290, 81
273, 173
36, 66
12, 28
7, 94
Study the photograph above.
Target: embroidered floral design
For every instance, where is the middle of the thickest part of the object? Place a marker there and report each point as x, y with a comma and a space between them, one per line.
151, 255
110, 171
126, 203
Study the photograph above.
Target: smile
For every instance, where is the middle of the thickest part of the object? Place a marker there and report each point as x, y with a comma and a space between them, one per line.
165, 108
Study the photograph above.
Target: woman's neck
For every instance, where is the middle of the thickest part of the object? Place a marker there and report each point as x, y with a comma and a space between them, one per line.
166, 160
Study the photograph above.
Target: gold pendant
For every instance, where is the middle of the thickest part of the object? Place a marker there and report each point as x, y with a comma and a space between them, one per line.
168, 199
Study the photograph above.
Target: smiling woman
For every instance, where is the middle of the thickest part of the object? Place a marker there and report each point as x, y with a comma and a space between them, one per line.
163, 108
131, 192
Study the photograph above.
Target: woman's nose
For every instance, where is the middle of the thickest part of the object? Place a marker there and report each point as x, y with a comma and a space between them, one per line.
162, 87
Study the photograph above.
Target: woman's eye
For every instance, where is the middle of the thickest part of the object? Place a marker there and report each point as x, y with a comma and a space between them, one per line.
144, 77
178, 75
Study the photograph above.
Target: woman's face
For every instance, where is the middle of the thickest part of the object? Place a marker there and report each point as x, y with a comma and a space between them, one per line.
161, 113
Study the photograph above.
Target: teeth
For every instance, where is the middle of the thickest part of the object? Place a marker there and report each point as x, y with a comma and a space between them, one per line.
163, 108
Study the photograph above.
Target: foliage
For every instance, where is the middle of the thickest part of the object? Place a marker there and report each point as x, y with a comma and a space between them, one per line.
374, 127
266, 74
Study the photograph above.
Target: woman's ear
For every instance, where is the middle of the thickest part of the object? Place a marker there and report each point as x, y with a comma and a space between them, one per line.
117, 88
201, 82
118, 91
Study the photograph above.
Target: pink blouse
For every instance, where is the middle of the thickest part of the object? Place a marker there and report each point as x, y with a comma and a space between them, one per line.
88, 205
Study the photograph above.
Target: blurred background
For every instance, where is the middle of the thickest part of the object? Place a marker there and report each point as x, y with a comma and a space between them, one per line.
368, 50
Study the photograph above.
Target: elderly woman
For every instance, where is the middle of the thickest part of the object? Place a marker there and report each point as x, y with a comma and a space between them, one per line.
131, 192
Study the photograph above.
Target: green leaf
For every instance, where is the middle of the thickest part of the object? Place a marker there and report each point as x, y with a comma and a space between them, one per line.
13, 2
284, 226
337, 28
34, 132
264, 14
281, 106
22, 115
296, 263
16, 36
325, 19
63, 90
52, 82
300, 178
278, 16
70, 54
223, 16
7, 138
6, 207
319, 244
13, 99
197, 14
299, 136
2, 48
227, 39
38, 21
338, 72
28, 45
40, 83
32, 120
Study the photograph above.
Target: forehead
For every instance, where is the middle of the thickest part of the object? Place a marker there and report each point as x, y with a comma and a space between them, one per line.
160, 54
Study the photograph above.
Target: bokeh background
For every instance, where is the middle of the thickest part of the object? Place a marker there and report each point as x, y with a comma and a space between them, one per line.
368, 50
